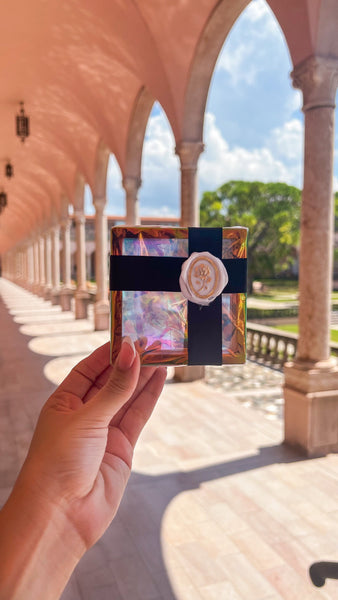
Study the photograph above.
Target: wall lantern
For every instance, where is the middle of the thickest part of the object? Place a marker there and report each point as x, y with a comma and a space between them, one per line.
9, 170
3, 199
22, 124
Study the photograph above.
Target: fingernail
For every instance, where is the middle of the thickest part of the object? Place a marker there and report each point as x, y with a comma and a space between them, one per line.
127, 354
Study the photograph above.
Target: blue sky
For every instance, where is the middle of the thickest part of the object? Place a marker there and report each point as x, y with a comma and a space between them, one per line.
253, 124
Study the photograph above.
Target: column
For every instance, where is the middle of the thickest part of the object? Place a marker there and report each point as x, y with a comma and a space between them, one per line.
55, 235
42, 278
36, 285
48, 266
101, 307
311, 382
131, 186
189, 153
82, 297
67, 291
4, 266
30, 266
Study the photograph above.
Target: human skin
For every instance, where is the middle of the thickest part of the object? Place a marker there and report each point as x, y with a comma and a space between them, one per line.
75, 473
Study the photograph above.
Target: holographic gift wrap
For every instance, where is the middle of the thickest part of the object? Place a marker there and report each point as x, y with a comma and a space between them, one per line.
157, 320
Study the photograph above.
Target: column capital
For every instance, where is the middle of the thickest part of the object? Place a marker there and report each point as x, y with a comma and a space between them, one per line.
317, 78
131, 184
65, 223
189, 153
79, 216
99, 202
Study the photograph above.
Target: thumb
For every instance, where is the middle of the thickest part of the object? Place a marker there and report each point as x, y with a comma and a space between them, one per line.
119, 387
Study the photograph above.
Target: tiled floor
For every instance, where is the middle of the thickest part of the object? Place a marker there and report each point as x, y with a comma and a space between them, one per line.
216, 508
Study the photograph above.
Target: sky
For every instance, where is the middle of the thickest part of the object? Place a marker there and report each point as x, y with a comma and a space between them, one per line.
253, 127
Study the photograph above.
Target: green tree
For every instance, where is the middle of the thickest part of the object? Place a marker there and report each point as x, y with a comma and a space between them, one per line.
271, 211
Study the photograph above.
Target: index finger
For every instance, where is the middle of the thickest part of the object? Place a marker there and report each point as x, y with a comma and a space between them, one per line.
85, 373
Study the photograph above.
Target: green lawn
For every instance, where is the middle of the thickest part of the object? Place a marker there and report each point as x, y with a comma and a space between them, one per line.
294, 329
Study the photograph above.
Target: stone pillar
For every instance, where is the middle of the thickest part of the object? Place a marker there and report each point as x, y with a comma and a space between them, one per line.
48, 266
66, 294
21, 267
82, 297
55, 234
30, 266
189, 153
311, 381
101, 307
131, 186
42, 278
36, 251
12, 265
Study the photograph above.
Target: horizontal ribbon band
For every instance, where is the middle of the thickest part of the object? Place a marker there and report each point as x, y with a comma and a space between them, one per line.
161, 273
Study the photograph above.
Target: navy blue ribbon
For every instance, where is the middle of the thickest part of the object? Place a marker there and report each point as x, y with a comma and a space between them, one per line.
161, 274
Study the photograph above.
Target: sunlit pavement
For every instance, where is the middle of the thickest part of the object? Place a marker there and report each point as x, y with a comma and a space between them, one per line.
216, 508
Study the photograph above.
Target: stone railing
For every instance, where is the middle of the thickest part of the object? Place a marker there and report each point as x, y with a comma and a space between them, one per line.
272, 346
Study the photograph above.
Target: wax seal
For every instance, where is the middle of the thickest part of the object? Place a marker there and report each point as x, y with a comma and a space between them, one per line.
203, 278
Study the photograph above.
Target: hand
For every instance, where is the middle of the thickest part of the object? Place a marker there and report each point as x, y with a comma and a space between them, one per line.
82, 449
76, 470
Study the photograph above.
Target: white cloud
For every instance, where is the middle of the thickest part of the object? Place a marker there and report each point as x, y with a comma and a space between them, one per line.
88, 201
115, 191
159, 193
294, 100
256, 10
158, 152
279, 159
259, 13
287, 141
220, 163
239, 64
244, 54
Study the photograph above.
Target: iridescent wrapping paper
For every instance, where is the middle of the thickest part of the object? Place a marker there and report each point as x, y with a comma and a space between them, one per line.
157, 321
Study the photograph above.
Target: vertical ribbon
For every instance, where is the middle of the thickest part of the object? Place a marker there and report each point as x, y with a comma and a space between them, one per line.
205, 322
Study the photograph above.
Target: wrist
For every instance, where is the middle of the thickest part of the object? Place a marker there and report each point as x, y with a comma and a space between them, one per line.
38, 546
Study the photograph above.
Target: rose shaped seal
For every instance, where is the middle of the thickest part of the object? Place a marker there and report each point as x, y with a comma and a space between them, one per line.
203, 278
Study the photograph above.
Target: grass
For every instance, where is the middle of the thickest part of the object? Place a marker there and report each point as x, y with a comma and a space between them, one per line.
294, 329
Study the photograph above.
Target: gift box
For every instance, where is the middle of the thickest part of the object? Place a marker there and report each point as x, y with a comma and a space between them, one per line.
147, 303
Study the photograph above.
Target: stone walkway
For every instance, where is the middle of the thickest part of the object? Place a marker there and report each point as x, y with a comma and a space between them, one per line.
252, 384
216, 507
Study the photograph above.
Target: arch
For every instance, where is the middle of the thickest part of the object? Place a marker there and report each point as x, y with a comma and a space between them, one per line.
213, 37
136, 132
207, 51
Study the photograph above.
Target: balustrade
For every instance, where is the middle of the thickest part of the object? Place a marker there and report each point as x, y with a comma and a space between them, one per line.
272, 346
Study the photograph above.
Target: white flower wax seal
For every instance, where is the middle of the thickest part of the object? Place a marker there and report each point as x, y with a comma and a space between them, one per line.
203, 278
